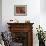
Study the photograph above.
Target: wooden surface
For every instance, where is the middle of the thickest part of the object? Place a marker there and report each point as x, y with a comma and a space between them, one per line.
23, 27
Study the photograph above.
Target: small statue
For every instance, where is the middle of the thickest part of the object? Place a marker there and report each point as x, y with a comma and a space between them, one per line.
27, 21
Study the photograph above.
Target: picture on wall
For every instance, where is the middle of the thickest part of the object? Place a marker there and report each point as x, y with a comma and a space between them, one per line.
20, 10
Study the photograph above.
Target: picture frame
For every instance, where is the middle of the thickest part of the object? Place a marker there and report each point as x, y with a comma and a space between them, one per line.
20, 10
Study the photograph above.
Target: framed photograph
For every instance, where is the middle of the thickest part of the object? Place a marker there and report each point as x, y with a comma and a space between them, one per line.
20, 10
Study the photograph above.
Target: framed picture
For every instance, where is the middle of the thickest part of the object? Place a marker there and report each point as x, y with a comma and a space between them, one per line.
20, 10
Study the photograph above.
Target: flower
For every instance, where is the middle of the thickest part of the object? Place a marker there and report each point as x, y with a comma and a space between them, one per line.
40, 33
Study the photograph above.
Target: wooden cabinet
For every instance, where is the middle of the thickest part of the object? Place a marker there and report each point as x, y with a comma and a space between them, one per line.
22, 33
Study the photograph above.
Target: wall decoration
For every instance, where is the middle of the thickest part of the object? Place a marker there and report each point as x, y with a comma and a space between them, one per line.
20, 10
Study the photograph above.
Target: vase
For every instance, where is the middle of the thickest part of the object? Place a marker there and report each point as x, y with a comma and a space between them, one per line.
41, 43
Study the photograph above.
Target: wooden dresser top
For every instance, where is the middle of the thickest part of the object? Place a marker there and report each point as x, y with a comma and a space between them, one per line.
19, 23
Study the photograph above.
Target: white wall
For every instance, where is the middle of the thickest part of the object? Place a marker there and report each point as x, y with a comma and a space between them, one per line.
33, 14
0, 15
33, 10
43, 6
43, 14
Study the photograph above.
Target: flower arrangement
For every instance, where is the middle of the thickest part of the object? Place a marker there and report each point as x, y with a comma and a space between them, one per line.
40, 34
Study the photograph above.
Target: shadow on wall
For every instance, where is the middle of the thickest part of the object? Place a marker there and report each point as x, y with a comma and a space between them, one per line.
0, 15
43, 6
